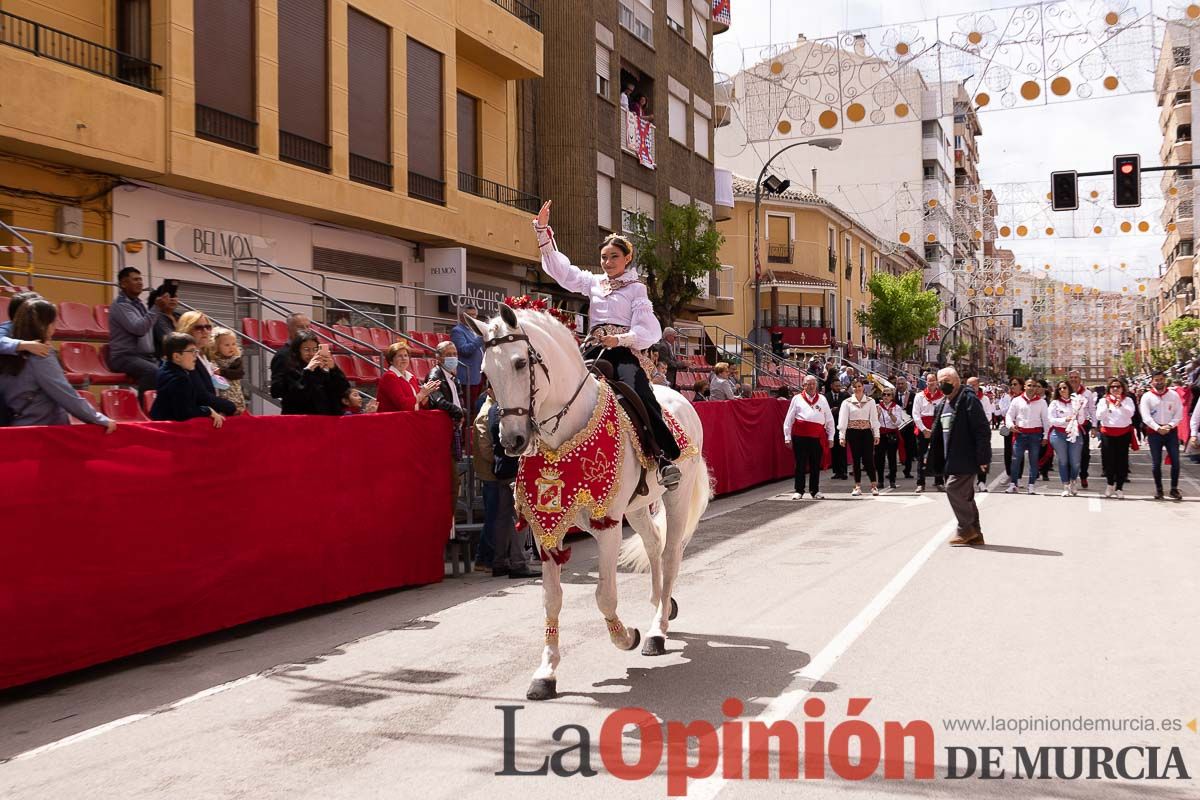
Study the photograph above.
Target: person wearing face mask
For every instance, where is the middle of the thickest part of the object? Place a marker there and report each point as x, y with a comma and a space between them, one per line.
960, 448
1162, 411
1029, 422
1115, 413
449, 397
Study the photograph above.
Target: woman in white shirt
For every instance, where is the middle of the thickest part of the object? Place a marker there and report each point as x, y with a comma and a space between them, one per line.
721, 386
1067, 413
858, 424
1115, 412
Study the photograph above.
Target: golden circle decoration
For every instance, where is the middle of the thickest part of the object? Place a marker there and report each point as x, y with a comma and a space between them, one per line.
973, 199
1046, 267
1006, 231
1049, 231
828, 119
971, 292
988, 291
978, 234
1018, 292
1096, 267
1097, 229
933, 202
1049, 195
1174, 190
1060, 85
905, 237
1094, 194
1030, 90
855, 112
1143, 226
974, 37
1126, 227
1111, 82
1112, 18
1196, 76
991, 323
902, 48
1095, 291
1123, 265
784, 126
901, 110
1022, 230
1000, 290
1193, 11
983, 98
776, 67
1171, 227
1141, 287
1124, 288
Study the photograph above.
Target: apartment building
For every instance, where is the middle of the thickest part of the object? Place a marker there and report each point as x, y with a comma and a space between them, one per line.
371, 144
623, 120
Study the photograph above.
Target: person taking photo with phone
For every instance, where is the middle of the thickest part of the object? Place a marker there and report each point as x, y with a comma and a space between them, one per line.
311, 382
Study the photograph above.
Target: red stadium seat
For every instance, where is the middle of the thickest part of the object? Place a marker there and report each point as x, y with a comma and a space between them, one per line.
381, 338
368, 372
251, 330
420, 368
121, 405
274, 333
91, 398
363, 335
81, 358
76, 320
438, 338
348, 365
100, 312
148, 400
341, 334
426, 338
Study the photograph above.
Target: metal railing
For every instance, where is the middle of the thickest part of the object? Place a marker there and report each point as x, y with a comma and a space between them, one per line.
780, 253
303, 152
225, 128
423, 187
371, 172
497, 192
521, 12
42, 40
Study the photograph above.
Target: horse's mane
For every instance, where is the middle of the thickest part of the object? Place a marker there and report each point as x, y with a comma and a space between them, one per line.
559, 334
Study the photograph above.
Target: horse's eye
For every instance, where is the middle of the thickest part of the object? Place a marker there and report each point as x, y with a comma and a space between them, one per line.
520, 364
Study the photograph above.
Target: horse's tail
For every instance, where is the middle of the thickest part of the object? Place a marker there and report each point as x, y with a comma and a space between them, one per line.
634, 555
702, 492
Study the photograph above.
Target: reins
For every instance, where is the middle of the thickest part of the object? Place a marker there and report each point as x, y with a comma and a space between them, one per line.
536, 358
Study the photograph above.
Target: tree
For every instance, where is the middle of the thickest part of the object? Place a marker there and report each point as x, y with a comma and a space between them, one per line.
1182, 332
674, 255
901, 312
1016, 368
1129, 362
1162, 358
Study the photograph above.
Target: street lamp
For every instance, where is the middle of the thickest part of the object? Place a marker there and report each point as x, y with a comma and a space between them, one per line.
830, 143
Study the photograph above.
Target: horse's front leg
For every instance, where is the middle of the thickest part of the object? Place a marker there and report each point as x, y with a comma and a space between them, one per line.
606, 590
545, 679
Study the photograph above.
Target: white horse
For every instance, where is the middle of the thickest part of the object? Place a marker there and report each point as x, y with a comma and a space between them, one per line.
546, 394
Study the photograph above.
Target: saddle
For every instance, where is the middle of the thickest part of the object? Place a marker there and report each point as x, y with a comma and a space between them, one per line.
635, 409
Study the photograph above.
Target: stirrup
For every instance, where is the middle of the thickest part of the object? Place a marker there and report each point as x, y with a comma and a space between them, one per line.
668, 474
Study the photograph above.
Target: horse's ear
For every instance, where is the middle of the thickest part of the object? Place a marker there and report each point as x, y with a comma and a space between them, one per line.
479, 325
508, 315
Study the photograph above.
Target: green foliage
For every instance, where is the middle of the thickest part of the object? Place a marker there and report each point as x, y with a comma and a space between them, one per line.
1014, 367
1162, 358
961, 349
1182, 332
901, 312
673, 255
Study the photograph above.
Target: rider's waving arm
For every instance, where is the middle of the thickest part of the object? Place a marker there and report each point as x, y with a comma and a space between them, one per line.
557, 265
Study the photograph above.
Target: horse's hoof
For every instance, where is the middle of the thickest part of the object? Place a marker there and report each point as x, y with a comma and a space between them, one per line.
674, 610
637, 639
542, 689
655, 646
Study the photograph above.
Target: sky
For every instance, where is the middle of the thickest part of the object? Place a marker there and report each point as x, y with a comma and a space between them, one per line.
1017, 145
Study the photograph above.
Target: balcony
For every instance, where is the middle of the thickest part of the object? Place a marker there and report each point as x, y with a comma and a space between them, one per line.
817, 336
498, 193
637, 138
723, 95
503, 36
716, 292
46, 42
303, 152
227, 129
371, 172
780, 252
1178, 112
723, 200
720, 16
1181, 268
423, 187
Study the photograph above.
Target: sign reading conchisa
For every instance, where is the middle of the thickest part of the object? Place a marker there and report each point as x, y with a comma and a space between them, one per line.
485, 298
211, 246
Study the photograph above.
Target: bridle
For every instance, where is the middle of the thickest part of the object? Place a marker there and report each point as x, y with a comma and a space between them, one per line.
535, 358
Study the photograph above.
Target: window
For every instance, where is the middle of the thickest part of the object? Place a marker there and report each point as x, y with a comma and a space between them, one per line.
929, 171
304, 83
677, 119
468, 134
957, 142
425, 130
699, 32
604, 201
225, 72
929, 130
369, 56
638, 19
1181, 56
862, 268
603, 71
701, 122
675, 17
847, 257
849, 322
635, 201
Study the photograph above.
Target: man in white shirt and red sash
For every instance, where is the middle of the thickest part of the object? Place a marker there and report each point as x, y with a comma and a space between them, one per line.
1089, 398
1029, 422
809, 428
923, 404
1162, 411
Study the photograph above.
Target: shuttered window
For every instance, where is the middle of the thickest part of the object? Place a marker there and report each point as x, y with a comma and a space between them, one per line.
676, 19
699, 32
468, 134
304, 83
700, 136
425, 129
604, 201
677, 119
370, 92
215, 300
603, 70
224, 61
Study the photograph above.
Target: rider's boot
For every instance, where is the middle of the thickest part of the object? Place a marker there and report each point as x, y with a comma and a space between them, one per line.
668, 474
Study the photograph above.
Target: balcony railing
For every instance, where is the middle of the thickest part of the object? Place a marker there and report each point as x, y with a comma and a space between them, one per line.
780, 252
423, 187
371, 172
47, 42
304, 152
521, 12
497, 192
225, 128
638, 138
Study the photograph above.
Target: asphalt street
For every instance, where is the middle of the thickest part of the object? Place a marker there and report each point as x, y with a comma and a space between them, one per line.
1077, 609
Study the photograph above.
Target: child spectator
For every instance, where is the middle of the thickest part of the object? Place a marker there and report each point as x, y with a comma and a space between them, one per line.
178, 397
352, 402
226, 358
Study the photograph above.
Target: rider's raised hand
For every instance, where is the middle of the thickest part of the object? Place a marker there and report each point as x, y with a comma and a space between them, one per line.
543, 217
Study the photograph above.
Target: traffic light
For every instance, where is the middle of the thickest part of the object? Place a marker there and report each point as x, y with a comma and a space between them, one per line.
1064, 190
1018, 317
1127, 181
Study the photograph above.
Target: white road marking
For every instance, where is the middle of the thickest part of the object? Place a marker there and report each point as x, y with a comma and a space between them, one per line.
901, 500
785, 704
1094, 504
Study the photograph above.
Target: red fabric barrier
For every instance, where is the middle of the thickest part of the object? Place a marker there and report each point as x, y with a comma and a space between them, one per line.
162, 531
743, 442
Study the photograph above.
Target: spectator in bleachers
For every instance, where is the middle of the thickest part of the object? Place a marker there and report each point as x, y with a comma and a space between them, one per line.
33, 388
668, 354
469, 345
312, 382
352, 402
131, 330
295, 323
399, 390
10, 346
164, 323
179, 397
208, 381
448, 397
721, 386
225, 355
658, 373
700, 389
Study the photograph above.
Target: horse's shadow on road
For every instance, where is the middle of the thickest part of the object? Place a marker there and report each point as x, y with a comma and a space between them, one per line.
713, 668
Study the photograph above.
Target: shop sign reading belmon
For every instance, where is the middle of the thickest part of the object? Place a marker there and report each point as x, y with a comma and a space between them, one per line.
215, 248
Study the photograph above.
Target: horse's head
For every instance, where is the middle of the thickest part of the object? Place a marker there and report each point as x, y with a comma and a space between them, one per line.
522, 349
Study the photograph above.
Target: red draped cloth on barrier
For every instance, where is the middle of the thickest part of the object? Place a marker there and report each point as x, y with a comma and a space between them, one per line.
743, 442
114, 544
